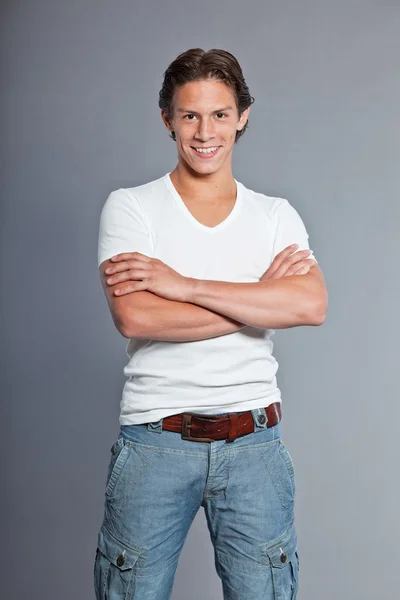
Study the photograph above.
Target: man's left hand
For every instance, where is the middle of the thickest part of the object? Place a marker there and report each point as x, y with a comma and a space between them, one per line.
148, 274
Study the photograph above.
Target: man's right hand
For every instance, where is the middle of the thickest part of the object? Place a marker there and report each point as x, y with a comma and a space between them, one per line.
289, 262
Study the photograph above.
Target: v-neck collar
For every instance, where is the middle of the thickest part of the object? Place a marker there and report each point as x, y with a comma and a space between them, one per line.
232, 215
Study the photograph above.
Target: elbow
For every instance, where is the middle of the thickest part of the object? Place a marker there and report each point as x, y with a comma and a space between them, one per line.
126, 332
318, 318
131, 328
123, 327
319, 310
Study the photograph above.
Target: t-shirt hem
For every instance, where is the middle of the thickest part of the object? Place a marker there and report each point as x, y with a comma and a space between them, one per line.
155, 415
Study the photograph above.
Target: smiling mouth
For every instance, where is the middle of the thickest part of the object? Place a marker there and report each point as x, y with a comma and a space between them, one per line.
204, 152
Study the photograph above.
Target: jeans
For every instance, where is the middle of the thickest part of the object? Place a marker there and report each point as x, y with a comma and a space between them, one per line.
155, 485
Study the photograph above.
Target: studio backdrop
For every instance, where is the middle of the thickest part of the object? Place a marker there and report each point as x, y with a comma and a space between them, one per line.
80, 118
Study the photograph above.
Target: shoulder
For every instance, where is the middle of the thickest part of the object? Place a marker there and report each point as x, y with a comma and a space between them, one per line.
134, 201
271, 205
137, 193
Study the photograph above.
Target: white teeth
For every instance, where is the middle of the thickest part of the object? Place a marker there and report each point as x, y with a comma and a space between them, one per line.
206, 151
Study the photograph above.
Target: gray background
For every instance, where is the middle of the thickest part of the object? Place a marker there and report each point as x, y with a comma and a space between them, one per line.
79, 118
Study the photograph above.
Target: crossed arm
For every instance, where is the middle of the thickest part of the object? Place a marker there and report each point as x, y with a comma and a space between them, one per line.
145, 315
272, 304
161, 304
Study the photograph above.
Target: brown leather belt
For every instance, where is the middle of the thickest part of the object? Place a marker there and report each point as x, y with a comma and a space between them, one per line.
207, 428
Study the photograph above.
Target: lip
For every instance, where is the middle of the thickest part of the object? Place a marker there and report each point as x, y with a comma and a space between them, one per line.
205, 156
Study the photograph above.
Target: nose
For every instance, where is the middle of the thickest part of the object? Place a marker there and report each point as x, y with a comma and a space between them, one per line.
205, 130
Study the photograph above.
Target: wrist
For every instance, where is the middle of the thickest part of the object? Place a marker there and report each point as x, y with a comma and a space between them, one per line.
193, 285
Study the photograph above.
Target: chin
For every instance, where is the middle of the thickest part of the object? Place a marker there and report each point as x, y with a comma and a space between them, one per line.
206, 166
206, 169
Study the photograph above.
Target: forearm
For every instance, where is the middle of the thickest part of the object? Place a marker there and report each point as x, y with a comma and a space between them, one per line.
272, 304
156, 318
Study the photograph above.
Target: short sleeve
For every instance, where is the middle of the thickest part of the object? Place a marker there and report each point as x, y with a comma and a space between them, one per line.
123, 227
289, 229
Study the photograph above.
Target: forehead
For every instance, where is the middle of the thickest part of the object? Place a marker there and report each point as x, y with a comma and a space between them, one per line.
204, 93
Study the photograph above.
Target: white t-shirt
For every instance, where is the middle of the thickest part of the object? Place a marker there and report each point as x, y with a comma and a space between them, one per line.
229, 373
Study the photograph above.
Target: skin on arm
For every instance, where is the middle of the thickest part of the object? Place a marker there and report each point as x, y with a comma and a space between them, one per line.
286, 302
274, 304
171, 321
143, 314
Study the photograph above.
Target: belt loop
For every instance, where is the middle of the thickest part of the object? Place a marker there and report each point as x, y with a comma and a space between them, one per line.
156, 426
260, 418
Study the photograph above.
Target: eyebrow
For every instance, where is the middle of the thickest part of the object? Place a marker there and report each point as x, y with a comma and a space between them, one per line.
196, 113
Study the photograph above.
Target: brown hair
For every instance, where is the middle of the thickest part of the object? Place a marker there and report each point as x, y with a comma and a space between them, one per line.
196, 64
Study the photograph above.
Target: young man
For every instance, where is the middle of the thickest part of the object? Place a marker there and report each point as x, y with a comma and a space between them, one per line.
198, 271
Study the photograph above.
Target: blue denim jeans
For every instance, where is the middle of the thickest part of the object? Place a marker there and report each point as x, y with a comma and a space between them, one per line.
157, 482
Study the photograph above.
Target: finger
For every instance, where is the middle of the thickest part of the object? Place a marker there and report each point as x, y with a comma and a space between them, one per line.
287, 251
302, 271
309, 264
291, 260
129, 256
126, 265
280, 257
130, 275
300, 265
297, 256
137, 286
299, 271
118, 267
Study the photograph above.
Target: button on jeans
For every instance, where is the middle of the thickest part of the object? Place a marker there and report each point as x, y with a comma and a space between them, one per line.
156, 483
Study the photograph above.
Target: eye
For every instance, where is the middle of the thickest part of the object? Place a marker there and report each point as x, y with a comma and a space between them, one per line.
189, 115
221, 113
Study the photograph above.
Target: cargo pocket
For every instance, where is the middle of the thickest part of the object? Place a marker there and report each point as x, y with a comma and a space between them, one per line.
113, 569
119, 455
281, 555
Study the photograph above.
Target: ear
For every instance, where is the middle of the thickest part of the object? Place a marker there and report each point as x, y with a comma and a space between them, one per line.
167, 121
243, 119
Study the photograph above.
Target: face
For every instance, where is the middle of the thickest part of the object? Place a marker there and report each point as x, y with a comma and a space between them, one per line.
205, 121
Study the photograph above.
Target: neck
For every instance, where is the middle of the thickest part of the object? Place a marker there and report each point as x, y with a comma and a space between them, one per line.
190, 182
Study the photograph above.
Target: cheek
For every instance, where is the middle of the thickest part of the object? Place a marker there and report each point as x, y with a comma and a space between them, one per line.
229, 131
185, 138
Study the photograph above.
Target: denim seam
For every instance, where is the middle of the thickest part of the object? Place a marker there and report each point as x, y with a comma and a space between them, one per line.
226, 559
103, 592
141, 550
149, 571
251, 446
116, 473
200, 453
133, 488
287, 508
287, 459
